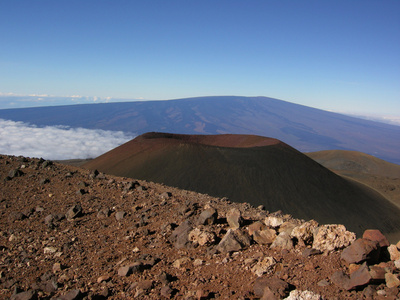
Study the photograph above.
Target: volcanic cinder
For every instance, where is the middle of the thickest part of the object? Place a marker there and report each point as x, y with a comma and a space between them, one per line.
253, 169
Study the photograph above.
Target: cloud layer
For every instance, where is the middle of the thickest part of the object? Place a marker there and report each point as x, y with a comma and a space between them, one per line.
10, 100
56, 142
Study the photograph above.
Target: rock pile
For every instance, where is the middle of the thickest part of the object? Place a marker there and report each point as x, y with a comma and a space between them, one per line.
68, 233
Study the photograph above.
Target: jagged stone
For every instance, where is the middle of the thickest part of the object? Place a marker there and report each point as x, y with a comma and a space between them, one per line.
287, 227
49, 250
332, 237
243, 237
376, 235
71, 295
270, 288
264, 237
180, 262
392, 280
274, 221
361, 277
256, 226
180, 236
15, 173
119, 215
393, 252
49, 286
48, 219
130, 269
201, 237
377, 273
93, 174
283, 241
130, 186
265, 265
74, 212
353, 268
397, 263
207, 217
361, 250
234, 218
57, 267
103, 213
166, 291
304, 232
229, 243
143, 287
303, 295
166, 195
323, 283
164, 278
27, 295
341, 280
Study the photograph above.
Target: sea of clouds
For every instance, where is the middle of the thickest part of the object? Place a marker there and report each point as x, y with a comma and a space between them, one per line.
57, 142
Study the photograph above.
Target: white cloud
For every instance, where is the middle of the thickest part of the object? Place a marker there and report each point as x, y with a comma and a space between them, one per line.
56, 142
388, 119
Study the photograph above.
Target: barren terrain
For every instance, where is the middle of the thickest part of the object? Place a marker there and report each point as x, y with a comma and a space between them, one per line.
253, 169
369, 170
69, 233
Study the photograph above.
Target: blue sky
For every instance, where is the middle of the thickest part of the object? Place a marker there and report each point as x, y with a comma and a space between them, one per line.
335, 55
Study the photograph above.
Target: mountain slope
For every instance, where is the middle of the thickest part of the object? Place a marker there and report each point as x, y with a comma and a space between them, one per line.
355, 162
305, 128
257, 170
369, 170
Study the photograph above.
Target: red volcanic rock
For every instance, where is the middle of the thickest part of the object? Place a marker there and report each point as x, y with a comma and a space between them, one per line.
361, 250
376, 235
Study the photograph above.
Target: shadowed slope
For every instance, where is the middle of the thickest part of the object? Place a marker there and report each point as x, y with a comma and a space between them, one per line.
354, 161
369, 170
252, 169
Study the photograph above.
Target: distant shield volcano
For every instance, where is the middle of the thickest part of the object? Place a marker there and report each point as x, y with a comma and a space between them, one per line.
253, 169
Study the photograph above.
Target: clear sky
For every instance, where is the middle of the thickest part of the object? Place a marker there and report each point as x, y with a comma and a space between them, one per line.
336, 55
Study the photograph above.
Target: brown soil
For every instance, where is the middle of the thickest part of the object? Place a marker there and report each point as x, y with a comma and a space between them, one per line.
64, 255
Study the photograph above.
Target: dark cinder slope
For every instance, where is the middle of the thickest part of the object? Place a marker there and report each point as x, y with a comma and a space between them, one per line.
252, 169
376, 173
305, 128
355, 162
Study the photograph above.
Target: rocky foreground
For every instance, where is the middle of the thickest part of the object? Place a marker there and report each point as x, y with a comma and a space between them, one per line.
68, 233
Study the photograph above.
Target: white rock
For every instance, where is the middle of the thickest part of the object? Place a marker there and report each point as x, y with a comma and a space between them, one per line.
397, 264
332, 237
273, 221
394, 252
266, 265
303, 295
304, 232
197, 262
181, 261
48, 250
201, 237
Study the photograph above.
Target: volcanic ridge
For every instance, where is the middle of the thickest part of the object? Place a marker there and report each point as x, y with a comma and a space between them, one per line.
256, 170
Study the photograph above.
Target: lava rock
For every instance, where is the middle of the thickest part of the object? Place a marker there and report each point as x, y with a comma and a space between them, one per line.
207, 217
362, 250
74, 212
234, 218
